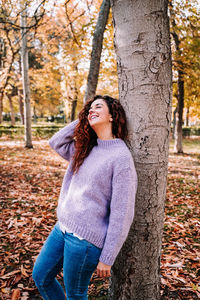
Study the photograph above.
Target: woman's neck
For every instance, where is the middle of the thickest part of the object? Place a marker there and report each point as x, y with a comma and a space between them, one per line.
105, 136
104, 133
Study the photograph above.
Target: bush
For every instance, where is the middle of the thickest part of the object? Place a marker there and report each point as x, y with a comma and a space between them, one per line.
43, 131
189, 131
47, 130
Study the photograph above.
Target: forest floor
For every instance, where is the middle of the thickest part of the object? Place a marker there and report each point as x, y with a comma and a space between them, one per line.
30, 181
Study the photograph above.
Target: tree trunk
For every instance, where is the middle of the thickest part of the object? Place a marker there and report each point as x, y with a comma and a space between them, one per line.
1, 106
187, 116
74, 104
12, 114
2, 51
25, 79
144, 69
2, 47
4, 83
21, 105
174, 123
178, 145
97, 44
34, 115
75, 95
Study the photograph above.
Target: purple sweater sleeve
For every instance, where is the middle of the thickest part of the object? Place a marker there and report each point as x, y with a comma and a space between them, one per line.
122, 207
62, 142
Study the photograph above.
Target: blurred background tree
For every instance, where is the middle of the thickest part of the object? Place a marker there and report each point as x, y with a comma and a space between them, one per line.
185, 25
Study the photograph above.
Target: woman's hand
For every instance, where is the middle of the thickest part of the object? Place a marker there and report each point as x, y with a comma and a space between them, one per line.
103, 270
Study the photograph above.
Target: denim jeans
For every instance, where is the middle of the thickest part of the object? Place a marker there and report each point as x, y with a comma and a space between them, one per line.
79, 259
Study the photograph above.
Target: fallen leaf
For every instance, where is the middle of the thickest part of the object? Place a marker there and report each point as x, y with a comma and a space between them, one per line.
15, 294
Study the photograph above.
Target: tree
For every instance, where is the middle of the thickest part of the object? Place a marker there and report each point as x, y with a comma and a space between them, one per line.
44, 70
10, 38
144, 69
8, 54
184, 27
178, 146
25, 79
96, 50
59, 54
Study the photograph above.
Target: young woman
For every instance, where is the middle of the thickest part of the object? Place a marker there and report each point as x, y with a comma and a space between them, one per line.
96, 204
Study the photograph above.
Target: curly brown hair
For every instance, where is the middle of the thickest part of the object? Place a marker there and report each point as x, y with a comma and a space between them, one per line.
86, 138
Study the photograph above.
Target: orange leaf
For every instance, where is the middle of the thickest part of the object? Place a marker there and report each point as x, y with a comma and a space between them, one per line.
6, 276
23, 271
15, 294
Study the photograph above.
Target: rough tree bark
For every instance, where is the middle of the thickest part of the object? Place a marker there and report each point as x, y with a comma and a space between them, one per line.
25, 79
97, 44
142, 43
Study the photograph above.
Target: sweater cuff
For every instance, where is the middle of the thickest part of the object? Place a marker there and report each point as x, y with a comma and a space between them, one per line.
108, 260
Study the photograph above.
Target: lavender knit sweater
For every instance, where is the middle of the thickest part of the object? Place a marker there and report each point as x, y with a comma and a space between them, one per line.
97, 202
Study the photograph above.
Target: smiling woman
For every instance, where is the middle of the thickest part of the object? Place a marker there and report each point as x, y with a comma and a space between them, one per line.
96, 204
86, 133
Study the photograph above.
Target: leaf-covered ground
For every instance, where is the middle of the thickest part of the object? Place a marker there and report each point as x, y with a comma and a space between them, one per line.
30, 181
180, 264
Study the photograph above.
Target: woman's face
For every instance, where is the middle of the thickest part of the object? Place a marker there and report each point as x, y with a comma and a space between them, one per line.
99, 113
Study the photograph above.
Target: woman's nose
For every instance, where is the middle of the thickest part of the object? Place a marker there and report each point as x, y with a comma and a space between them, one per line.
91, 110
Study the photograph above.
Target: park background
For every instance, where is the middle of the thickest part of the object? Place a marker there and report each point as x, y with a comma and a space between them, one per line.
59, 42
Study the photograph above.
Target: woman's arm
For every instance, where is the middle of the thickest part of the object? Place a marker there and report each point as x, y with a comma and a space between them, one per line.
62, 142
122, 208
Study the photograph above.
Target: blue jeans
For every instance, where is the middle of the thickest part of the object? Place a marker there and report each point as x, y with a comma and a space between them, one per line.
79, 259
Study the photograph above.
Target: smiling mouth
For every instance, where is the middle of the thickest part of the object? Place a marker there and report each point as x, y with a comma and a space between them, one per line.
93, 117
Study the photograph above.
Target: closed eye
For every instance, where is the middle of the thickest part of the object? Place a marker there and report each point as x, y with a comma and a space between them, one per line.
96, 106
